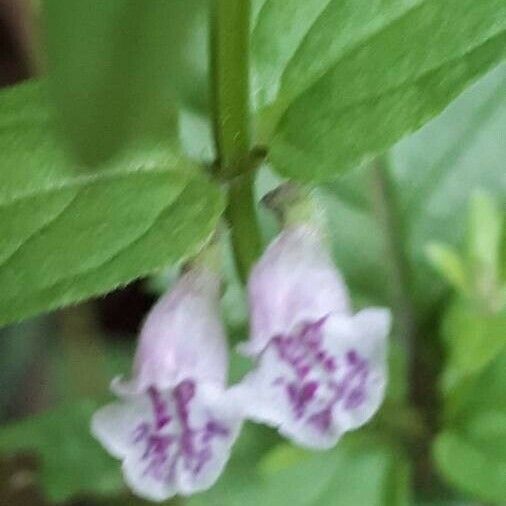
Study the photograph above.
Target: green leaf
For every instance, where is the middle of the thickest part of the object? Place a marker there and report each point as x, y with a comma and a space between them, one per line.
366, 74
471, 450
440, 167
71, 461
449, 264
119, 68
435, 172
482, 395
470, 469
486, 226
272, 48
360, 470
66, 235
484, 240
473, 339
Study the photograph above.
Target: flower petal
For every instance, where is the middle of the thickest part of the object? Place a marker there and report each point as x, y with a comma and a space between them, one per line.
112, 424
182, 337
171, 442
367, 338
323, 379
294, 281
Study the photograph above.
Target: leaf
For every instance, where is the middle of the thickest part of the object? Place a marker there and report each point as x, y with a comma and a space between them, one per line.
449, 264
360, 470
119, 69
440, 167
471, 450
71, 461
365, 75
435, 172
470, 469
484, 245
67, 235
469, 401
473, 338
272, 50
486, 226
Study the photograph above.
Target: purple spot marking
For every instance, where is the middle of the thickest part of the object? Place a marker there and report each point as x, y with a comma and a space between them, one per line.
159, 408
322, 420
163, 450
301, 395
303, 352
350, 390
330, 364
352, 357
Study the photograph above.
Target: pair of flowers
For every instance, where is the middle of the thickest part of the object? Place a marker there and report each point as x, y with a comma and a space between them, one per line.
319, 370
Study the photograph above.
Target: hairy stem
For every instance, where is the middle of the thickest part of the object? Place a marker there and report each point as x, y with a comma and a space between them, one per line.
231, 116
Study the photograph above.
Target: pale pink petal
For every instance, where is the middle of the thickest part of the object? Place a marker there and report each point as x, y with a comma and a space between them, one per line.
324, 378
182, 337
172, 442
294, 281
112, 424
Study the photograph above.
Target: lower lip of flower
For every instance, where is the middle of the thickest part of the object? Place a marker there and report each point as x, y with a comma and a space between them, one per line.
169, 441
317, 383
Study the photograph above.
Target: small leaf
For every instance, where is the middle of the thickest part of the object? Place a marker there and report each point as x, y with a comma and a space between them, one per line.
66, 235
449, 265
366, 74
485, 229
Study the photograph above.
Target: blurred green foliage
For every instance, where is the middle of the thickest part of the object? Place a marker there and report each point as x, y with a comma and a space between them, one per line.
120, 69
71, 461
333, 84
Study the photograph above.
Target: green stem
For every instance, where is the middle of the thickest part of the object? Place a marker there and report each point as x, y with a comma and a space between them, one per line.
230, 73
389, 214
241, 215
422, 370
231, 116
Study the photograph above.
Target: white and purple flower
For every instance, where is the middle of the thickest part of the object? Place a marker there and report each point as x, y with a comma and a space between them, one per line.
175, 424
321, 371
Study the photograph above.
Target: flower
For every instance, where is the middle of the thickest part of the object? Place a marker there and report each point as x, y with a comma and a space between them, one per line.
174, 424
320, 370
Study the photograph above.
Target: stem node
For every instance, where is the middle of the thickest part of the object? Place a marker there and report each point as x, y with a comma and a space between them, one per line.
236, 162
